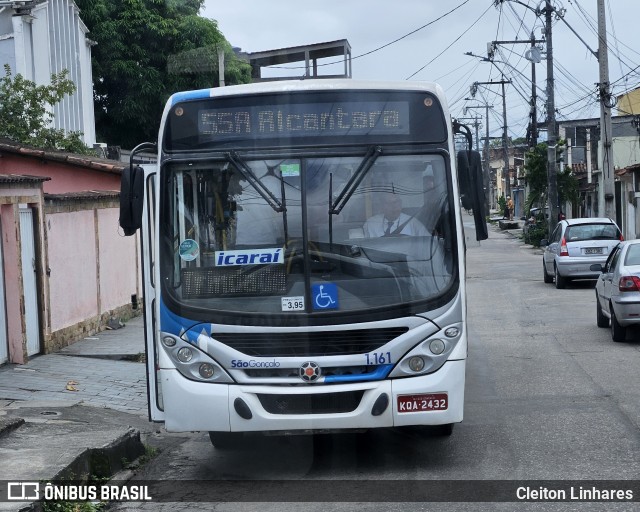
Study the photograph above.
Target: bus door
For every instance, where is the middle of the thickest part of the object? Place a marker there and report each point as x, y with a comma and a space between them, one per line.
151, 293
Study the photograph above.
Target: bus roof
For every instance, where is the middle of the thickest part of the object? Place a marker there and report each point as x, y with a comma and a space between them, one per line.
306, 85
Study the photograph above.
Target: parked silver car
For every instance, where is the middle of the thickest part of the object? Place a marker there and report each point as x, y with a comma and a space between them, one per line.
618, 290
575, 245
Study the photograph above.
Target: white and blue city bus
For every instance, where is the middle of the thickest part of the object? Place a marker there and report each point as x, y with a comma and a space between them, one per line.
281, 292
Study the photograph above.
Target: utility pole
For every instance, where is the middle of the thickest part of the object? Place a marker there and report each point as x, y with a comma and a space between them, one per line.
505, 140
489, 199
551, 124
532, 55
606, 195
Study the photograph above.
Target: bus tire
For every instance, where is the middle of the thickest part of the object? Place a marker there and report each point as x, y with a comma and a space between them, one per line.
443, 430
226, 440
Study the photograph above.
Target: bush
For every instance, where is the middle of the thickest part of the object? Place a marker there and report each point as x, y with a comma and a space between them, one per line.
502, 204
535, 233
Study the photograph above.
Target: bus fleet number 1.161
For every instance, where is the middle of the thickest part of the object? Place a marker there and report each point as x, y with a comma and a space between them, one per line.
377, 358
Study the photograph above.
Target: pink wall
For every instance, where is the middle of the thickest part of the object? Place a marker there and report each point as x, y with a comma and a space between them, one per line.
64, 177
12, 281
73, 283
118, 261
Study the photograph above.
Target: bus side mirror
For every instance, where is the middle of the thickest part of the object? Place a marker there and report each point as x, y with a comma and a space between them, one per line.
131, 199
471, 184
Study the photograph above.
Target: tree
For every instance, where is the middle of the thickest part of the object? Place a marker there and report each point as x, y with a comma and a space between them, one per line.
147, 50
537, 178
26, 113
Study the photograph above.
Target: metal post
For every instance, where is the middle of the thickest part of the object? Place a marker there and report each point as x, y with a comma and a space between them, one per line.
534, 113
551, 125
505, 142
221, 66
608, 177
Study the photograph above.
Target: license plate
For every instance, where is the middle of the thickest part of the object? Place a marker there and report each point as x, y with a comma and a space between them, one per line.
593, 250
419, 403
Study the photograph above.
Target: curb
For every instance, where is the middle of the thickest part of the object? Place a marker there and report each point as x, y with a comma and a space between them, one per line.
9, 425
106, 461
92, 463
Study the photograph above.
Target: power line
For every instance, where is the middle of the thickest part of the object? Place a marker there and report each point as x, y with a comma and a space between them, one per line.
453, 42
384, 45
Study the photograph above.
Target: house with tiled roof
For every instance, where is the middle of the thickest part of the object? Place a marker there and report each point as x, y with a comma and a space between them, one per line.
66, 269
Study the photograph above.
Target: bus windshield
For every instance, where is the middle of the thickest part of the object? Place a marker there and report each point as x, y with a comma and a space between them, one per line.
300, 234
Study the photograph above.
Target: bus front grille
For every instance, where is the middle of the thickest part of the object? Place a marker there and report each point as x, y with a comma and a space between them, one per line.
309, 344
323, 403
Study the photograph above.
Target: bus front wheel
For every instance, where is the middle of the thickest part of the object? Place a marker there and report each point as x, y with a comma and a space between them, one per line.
226, 440
443, 430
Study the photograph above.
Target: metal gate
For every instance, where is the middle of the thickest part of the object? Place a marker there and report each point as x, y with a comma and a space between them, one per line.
29, 282
4, 350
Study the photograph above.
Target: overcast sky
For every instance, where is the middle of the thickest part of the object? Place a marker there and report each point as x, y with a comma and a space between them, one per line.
437, 51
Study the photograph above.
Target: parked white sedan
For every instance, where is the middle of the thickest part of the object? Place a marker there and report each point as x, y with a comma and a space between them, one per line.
618, 289
574, 246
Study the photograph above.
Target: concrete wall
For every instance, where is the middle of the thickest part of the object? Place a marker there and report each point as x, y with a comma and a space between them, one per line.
93, 268
629, 103
73, 280
118, 262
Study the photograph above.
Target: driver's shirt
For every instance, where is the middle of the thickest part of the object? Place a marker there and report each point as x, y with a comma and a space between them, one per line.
378, 225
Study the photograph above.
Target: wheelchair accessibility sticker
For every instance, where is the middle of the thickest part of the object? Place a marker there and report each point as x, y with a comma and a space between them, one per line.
325, 296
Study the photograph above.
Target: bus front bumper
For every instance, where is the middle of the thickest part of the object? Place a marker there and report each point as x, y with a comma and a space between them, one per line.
198, 406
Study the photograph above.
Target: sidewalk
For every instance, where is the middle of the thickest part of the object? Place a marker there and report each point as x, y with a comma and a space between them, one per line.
76, 412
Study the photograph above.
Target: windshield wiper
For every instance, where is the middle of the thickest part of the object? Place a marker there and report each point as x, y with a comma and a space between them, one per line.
335, 207
351, 186
248, 174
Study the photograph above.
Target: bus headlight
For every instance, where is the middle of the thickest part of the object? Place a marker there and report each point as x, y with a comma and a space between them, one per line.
437, 346
169, 341
191, 360
185, 354
416, 363
452, 332
429, 354
206, 370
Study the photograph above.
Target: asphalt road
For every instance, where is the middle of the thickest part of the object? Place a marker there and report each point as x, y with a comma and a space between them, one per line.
549, 396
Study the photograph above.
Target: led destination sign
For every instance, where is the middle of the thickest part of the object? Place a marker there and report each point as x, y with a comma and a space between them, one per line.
272, 120
315, 119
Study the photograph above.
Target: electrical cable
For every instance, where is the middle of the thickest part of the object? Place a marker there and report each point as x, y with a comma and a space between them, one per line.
380, 47
452, 43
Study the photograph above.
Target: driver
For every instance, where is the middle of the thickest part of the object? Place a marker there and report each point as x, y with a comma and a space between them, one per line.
393, 221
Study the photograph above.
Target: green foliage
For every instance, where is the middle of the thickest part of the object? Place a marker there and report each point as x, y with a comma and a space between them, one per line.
26, 112
537, 179
536, 232
149, 453
502, 204
146, 51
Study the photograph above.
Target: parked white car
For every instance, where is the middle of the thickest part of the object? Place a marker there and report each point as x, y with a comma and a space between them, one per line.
618, 290
575, 245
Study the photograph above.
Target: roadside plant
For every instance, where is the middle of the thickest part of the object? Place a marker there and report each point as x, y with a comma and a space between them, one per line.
26, 112
502, 204
537, 178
